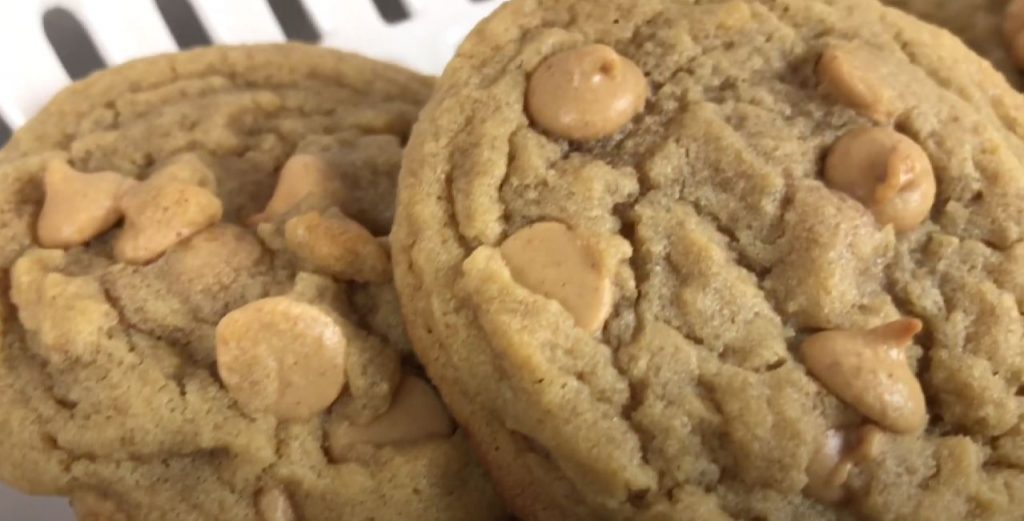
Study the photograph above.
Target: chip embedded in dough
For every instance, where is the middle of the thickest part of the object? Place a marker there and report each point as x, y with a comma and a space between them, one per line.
730, 235
164, 359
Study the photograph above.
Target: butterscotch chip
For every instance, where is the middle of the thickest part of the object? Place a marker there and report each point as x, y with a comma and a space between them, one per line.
586, 93
159, 214
110, 390
868, 370
78, 206
549, 259
190, 168
416, 413
273, 505
887, 172
828, 470
224, 259
332, 243
302, 176
726, 248
69, 316
27, 282
831, 464
282, 357
850, 74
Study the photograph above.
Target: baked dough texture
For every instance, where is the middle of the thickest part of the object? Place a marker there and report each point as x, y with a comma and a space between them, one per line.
726, 248
109, 385
979, 23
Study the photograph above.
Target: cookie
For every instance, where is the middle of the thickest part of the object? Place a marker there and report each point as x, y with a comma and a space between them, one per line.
723, 259
990, 27
198, 318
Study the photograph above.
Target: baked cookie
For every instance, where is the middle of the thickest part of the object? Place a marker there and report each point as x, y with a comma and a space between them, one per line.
723, 259
198, 318
987, 26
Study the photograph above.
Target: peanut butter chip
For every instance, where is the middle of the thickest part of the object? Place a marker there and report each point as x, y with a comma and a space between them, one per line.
273, 505
1013, 31
586, 93
69, 315
850, 74
190, 168
282, 357
334, 244
868, 370
887, 172
301, 176
830, 466
416, 413
78, 207
160, 213
551, 260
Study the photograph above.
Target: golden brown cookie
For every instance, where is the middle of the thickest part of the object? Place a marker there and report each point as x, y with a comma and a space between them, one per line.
198, 320
787, 286
990, 27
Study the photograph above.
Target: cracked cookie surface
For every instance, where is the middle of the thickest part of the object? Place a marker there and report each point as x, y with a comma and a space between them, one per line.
734, 261
171, 358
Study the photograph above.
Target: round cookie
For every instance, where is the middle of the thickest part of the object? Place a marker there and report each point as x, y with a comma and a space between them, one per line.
198, 317
788, 286
984, 25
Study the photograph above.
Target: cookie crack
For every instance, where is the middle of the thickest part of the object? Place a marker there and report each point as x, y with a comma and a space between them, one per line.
448, 175
1005, 120
178, 378
637, 391
949, 300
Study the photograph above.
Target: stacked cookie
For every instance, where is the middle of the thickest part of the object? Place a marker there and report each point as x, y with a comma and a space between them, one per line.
666, 259
731, 259
199, 321
990, 27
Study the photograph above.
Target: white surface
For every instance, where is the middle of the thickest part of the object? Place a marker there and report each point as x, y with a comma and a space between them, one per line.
30, 72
